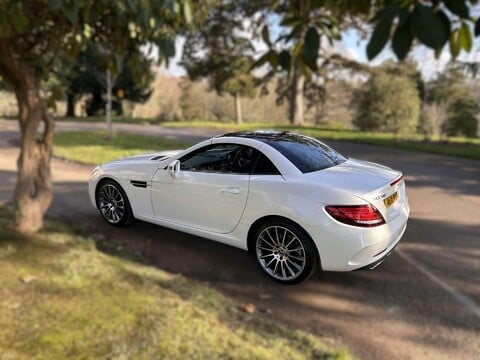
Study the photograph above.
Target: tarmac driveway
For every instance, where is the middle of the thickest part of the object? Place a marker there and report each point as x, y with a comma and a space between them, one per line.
422, 303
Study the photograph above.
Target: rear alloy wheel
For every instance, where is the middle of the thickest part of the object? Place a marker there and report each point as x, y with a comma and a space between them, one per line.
113, 204
285, 252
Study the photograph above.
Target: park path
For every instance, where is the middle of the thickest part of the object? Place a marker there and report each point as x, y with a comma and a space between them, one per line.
423, 303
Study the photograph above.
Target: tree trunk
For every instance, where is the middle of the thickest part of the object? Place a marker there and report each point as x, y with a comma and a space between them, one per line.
296, 98
33, 191
70, 105
108, 105
238, 109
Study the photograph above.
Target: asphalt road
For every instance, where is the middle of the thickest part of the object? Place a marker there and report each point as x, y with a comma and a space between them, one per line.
422, 303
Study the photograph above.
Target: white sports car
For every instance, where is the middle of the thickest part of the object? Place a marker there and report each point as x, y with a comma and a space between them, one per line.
289, 199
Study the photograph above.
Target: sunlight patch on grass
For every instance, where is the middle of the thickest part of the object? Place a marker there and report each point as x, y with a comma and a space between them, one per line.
93, 147
82, 303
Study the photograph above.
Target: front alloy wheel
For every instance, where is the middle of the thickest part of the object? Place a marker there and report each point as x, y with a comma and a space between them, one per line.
113, 204
285, 252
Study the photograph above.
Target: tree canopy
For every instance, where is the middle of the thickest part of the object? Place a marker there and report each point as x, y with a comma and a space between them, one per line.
221, 51
35, 35
84, 76
388, 102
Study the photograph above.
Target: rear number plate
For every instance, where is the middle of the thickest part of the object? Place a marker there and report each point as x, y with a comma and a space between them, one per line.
390, 200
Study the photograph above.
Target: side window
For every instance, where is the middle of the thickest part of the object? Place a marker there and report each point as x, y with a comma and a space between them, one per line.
221, 158
263, 166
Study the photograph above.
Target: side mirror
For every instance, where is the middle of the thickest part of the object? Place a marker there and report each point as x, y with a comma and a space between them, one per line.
174, 167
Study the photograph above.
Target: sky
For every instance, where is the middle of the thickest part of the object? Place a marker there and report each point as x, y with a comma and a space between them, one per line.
354, 47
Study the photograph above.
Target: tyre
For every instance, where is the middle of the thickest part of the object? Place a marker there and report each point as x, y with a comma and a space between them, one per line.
285, 252
113, 204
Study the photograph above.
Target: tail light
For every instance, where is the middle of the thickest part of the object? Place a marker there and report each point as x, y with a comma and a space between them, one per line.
357, 215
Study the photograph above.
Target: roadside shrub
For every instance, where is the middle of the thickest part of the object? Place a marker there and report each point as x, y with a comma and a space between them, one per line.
387, 103
462, 120
451, 87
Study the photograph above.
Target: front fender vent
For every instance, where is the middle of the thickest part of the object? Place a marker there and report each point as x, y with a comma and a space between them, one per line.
140, 184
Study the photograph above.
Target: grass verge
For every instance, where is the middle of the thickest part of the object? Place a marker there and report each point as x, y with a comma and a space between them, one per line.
457, 146
62, 298
92, 147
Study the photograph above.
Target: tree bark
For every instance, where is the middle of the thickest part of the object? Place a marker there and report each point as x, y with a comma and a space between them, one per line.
296, 98
70, 105
33, 190
238, 109
108, 105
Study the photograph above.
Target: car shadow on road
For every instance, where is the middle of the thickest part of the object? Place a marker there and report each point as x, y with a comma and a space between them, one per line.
393, 296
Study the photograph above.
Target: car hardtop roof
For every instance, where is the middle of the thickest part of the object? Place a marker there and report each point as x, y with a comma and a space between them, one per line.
262, 135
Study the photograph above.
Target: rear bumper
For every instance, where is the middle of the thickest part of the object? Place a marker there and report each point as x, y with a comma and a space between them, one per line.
346, 248
376, 263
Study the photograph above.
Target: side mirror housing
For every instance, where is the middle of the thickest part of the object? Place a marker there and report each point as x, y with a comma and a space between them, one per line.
174, 167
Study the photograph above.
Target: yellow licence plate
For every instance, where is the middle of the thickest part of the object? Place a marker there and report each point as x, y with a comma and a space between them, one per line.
390, 200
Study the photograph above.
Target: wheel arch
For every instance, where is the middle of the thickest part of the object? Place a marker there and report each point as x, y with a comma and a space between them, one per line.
260, 221
104, 180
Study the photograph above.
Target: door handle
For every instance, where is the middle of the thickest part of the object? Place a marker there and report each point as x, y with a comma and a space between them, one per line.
231, 191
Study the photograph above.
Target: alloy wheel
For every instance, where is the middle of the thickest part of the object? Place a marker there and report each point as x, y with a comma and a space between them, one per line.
111, 204
280, 253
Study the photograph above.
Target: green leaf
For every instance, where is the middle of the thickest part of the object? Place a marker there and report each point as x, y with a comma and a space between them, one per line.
465, 37
70, 10
458, 7
284, 60
379, 38
310, 47
427, 27
402, 41
19, 21
132, 5
477, 27
263, 60
454, 43
444, 19
4, 24
296, 31
403, 16
167, 47
292, 21
187, 12
266, 35
359, 6
387, 13
54, 4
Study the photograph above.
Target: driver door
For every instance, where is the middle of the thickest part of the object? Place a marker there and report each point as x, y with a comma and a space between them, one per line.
209, 190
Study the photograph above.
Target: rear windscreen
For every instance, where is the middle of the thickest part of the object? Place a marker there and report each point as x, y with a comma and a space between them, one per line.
306, 153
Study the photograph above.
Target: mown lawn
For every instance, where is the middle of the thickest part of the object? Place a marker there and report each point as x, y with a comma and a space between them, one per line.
92, 147
62, 298
456, 146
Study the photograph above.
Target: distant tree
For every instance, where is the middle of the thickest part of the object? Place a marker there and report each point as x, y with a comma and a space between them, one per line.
450, 88
35, 35
222, 52
297, 52
387, 102
85, 75
192, 100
